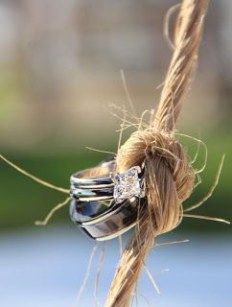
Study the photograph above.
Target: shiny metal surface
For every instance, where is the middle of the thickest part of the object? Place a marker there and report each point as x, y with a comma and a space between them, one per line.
94, 208
113, 221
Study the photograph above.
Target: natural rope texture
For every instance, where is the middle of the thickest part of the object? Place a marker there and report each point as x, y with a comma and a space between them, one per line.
169, 176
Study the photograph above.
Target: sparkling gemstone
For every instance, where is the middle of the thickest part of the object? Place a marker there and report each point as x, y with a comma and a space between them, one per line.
127, 184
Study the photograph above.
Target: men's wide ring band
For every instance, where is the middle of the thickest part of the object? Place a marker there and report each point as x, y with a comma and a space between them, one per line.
105, 203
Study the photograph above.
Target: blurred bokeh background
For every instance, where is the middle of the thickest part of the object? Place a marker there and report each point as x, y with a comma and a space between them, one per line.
60, 63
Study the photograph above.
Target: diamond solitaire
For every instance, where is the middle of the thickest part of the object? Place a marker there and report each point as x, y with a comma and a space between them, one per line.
106, 205
127, 184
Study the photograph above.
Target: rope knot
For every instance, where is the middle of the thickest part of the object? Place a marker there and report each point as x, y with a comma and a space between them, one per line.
169, 177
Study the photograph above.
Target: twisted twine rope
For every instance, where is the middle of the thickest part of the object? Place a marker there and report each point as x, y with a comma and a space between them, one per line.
169, 177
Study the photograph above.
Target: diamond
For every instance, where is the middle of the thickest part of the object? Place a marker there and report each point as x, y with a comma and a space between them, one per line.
127, 184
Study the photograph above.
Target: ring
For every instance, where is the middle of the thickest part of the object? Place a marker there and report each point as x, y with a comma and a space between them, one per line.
105, 203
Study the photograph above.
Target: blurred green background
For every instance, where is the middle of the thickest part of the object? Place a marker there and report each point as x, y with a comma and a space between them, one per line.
60, 67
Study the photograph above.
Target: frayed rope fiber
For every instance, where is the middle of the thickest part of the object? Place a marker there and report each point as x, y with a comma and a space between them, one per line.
169, 176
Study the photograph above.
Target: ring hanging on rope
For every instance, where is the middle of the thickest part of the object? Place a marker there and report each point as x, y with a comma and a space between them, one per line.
105, 203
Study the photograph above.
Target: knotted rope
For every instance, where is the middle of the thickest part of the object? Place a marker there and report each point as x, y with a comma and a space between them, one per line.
169, 176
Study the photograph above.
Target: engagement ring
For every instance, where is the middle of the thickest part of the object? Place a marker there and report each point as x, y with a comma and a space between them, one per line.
105, 203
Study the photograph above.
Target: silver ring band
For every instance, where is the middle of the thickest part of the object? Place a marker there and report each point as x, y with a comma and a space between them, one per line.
104, 203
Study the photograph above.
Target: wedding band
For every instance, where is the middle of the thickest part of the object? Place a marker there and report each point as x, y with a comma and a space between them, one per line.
110, 224
105, 203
